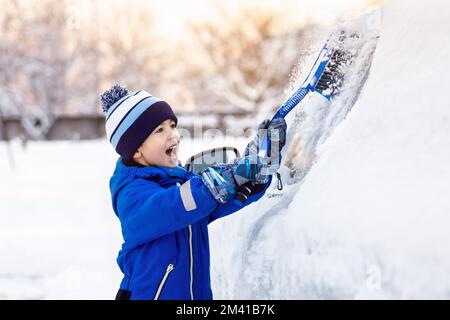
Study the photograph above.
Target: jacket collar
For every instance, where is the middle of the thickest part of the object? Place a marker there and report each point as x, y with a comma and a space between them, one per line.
150, 172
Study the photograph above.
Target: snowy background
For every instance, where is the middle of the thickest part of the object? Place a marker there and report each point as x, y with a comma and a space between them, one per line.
369, 219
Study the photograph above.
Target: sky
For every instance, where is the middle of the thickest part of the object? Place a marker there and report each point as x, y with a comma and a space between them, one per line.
175, 13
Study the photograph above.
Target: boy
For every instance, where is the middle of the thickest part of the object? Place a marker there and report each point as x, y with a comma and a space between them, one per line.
163, 209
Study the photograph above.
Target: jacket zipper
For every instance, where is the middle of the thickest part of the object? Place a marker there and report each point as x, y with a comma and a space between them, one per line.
163, 281
191, 263
191, 260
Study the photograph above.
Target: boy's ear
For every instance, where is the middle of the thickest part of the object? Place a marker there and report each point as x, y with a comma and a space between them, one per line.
137, 155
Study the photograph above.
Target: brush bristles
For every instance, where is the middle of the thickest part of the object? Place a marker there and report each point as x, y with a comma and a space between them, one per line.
332, 76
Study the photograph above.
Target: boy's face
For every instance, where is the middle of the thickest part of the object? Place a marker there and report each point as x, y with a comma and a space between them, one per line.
161, 146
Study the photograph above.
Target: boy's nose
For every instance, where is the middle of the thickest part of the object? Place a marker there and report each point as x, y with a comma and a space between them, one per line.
175, 135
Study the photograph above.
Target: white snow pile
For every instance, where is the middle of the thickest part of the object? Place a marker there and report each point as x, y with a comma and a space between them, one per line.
370, 219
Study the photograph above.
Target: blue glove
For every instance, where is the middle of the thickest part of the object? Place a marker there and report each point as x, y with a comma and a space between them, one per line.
250, 168
225, 180
275, 130
220, 182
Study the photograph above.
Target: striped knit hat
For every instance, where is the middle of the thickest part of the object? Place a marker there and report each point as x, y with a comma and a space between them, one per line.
131, 117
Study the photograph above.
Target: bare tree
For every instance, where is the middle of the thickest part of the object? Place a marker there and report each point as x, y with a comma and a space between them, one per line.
57, 55
131, 52
252, 61
32, 60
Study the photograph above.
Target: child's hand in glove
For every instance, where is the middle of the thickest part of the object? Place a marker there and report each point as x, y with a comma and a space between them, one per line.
225, 180
220, 182
275, 130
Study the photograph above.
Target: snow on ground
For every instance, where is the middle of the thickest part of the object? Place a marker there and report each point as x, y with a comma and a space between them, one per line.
371, 218
58, 236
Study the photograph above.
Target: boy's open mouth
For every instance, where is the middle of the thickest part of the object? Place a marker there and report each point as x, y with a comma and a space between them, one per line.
172, 150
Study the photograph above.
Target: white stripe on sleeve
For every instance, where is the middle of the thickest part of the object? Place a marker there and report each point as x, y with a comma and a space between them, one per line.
187, 197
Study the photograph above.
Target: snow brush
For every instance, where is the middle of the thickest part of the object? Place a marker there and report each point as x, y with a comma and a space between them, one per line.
325, 77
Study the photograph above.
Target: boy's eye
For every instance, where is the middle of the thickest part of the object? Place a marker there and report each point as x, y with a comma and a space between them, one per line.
173, 125
159, 130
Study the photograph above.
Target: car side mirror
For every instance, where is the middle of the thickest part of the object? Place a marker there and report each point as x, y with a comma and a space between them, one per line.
200, 161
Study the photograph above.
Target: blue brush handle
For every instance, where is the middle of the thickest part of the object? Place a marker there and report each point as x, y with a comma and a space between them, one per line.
290, 104
282, 112
309, 85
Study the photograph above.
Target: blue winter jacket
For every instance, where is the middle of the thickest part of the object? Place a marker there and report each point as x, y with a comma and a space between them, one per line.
164, 214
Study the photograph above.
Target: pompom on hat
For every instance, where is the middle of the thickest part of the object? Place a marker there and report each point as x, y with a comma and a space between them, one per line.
131, 117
